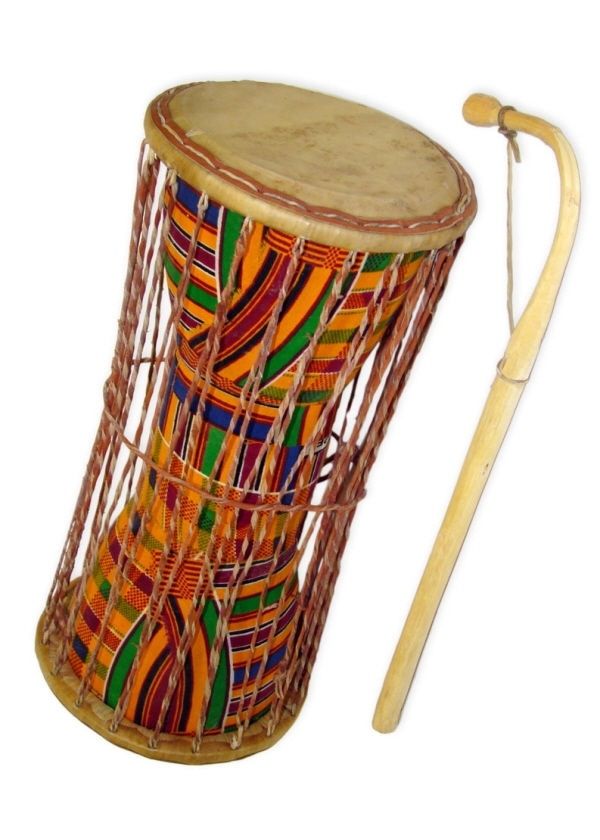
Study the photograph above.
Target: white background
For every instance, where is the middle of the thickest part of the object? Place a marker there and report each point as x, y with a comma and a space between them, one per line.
500, 737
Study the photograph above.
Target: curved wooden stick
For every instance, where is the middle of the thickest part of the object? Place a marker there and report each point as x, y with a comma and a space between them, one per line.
512, 375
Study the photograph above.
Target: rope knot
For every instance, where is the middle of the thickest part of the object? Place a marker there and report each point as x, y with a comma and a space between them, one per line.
509, 133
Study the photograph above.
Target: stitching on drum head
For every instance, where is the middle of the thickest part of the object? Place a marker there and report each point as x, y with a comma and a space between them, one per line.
447, 216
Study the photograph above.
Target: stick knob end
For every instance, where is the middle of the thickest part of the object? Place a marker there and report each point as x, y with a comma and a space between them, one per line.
481, 109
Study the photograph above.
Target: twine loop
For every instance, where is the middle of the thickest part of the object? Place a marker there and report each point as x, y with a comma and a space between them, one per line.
512, 153
506, 378
265, 502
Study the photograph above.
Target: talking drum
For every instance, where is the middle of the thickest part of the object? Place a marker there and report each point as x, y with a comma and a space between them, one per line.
287, 254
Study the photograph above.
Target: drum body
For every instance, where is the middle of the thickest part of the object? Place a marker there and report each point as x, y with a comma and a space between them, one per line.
266, 333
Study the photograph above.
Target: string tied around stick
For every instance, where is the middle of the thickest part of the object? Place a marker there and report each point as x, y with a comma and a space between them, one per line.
509, 133
513, 154
506, 378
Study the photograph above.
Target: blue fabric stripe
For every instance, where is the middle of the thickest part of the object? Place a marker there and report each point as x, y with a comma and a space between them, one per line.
274, 658
189, 198
80, 648
219, 417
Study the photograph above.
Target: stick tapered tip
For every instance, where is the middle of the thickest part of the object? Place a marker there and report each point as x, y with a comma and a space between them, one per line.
394, 691
384, 723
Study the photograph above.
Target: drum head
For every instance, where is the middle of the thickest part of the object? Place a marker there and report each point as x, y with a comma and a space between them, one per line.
312, 165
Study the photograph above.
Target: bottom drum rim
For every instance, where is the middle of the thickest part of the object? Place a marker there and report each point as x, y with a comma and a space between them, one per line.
175, 748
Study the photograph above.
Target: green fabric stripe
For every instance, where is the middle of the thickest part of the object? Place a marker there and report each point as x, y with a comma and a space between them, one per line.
380, 261
101, 582
203, 539
127, 609
251, 604
150, 542
337, 336
377, 262
292, 435
274, 393
199, 296
121, 667
220, 688
297, 341
231, 232
101, 670
207, 517
315, 396
410, 258
213, 447
292, 438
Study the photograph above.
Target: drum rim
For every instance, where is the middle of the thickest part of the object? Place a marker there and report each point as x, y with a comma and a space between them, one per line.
205, 172
175, 748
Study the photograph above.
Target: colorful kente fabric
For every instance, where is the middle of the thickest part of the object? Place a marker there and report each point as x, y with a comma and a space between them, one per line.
141, 534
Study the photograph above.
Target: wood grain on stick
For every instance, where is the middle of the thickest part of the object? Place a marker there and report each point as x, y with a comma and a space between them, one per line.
512, 375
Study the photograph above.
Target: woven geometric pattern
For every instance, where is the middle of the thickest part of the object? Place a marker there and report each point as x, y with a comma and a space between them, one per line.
253, 381
259, 279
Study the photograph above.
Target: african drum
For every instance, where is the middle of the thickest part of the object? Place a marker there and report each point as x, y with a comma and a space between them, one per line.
288, 251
